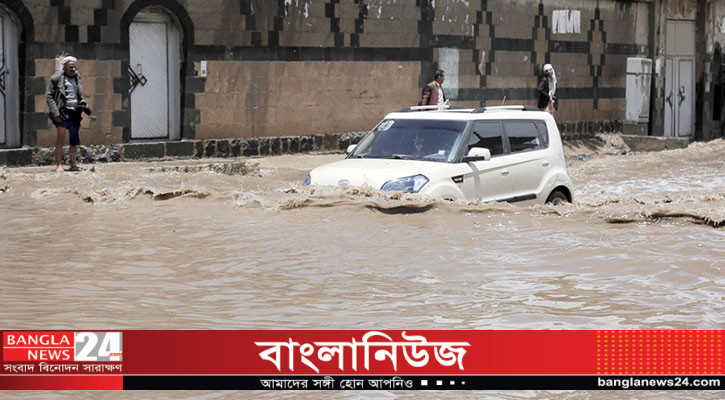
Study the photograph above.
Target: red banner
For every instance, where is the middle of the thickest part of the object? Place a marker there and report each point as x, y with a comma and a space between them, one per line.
33, 356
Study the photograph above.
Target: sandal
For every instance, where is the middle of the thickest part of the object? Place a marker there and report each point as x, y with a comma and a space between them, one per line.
75, 168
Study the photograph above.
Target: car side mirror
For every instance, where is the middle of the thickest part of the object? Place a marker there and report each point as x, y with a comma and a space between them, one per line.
350, 148
477, 154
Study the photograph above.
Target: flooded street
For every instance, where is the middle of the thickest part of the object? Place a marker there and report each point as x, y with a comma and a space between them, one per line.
239, 244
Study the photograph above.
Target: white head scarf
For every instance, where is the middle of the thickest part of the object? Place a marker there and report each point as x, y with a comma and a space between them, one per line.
552, 79
66, 60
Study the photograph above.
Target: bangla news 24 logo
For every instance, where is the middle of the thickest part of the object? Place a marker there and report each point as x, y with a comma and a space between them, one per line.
62, 346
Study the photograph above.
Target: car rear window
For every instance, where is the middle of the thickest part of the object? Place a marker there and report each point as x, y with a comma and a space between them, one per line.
544, 133
522, 136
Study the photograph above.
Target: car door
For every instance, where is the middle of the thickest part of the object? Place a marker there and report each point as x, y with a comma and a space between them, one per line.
529, 162
488, 180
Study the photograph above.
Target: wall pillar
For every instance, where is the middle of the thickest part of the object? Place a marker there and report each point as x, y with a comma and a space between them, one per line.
703, 61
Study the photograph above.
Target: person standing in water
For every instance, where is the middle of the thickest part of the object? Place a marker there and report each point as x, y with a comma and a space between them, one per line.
65, 104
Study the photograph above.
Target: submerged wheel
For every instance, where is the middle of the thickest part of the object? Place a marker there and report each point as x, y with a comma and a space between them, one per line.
557, 197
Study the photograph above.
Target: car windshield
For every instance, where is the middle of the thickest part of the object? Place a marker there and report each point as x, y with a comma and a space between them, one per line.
407, 139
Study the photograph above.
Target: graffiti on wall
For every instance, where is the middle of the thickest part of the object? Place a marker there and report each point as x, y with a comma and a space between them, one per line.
565, 21
682, 9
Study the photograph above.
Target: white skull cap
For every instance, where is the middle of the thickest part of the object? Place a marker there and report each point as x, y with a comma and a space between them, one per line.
66, 60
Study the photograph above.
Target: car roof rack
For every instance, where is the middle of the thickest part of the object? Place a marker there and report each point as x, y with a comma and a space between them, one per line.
505, 108
431, 108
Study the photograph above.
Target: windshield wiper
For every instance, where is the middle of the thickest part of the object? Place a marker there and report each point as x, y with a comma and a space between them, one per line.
394, 156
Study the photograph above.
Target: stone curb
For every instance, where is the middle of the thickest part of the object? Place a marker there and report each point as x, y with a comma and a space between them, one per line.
587, 129
654, 143
209, 148
253, 147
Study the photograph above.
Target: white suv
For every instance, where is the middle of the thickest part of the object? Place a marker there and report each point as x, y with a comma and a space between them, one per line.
508, 153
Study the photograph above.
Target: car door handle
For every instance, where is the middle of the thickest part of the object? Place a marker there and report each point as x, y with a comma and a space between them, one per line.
545, 163
504, 172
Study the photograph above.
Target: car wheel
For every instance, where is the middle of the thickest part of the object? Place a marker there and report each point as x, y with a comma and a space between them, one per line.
557, 197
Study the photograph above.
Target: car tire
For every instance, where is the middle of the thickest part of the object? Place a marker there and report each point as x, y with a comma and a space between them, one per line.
556, 198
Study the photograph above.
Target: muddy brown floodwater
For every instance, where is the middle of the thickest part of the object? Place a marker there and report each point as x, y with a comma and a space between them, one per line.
239, 244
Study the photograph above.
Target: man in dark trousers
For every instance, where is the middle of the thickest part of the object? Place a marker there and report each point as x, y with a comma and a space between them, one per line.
65, 104
433, 92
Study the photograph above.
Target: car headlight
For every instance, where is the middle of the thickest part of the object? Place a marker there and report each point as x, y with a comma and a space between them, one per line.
409, 184
307, 180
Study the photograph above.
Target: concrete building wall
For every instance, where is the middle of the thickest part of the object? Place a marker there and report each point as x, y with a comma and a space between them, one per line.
714, 71
707, 17
271, 98
281, 68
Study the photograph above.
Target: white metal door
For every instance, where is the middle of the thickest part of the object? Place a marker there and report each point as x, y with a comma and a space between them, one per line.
685, 105
9, 94
670, 99
154, 71
149, 98
680, 78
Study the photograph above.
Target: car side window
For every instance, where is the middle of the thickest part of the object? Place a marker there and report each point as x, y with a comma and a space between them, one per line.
522, 136
543, 134
487, 134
